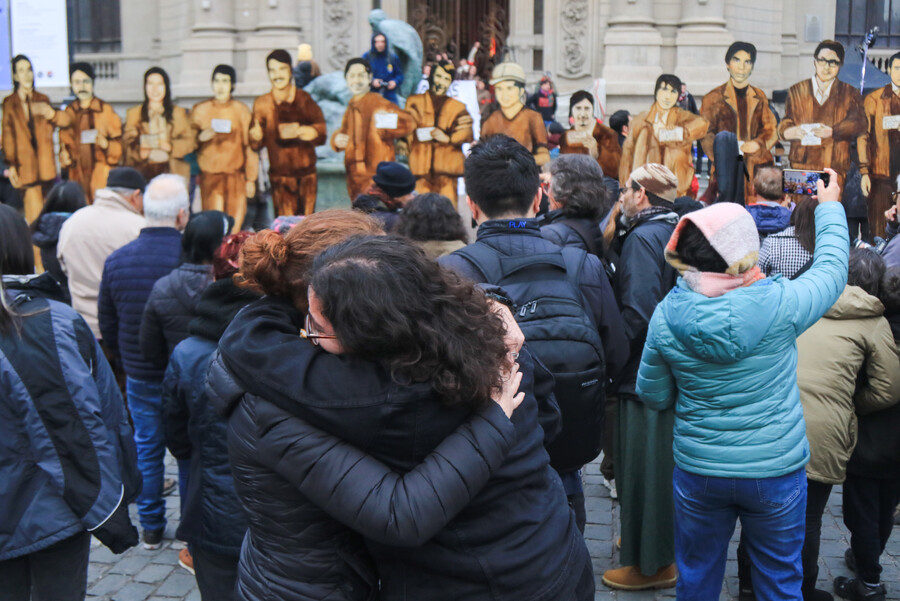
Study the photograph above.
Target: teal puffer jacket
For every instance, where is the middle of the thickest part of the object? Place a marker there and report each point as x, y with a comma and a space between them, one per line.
729, 364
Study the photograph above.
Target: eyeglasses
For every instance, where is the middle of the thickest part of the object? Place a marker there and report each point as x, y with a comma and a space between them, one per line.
830, 62
311, 334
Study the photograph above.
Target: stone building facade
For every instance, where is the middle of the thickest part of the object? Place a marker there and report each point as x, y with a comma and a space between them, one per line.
626, 42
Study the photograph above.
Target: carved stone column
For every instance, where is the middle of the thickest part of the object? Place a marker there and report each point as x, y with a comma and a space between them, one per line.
575, 45
701, 43
632, 55
338, 27
212, 42
522, 40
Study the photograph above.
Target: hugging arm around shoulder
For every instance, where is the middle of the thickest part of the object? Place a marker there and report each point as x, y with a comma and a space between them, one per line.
366, 495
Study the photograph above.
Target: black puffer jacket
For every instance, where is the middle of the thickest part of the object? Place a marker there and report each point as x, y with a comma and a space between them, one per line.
170, 309
212, 517
516, 539
558, 229
45, 236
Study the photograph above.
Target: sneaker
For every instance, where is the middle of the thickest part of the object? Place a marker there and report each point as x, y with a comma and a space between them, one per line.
850, 560
153, 539
856, 590
630, 578
611, 485
169, 486
185, 560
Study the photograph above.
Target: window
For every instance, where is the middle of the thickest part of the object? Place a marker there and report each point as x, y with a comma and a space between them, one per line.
94, 26
855, 17
538, 16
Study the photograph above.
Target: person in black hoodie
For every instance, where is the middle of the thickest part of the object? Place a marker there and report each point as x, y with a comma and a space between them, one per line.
17, 260
212, 520
872, 488
64, 199
514, 537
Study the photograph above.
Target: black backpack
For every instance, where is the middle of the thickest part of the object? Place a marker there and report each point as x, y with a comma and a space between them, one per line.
560, 331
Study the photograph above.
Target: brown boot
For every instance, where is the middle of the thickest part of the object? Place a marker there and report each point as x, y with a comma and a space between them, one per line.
630, 578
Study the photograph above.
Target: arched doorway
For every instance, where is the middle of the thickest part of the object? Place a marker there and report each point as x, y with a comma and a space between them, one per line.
453, 26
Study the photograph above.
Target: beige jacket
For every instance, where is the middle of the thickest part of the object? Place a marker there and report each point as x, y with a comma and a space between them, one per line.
86, 239
852, 336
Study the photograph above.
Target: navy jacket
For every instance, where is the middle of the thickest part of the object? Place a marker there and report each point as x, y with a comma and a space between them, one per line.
516, 539
170, 309
68, 454
45, 236
128, 277
386, 67
524, 237
212, 517
556, 227
769, 218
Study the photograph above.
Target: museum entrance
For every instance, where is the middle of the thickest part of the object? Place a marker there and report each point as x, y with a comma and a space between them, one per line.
453, 27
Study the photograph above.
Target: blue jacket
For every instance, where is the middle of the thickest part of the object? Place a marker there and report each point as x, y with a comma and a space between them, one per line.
729, 364
128, 277
211, 517
68, 454
769, 218
386, 67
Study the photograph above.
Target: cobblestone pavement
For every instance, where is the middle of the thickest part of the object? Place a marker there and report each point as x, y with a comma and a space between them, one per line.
141, 575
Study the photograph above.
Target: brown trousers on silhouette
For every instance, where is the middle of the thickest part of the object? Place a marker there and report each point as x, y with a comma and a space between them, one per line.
294, 195
225, 192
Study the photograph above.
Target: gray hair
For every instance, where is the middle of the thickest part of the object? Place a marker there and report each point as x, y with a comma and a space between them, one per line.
767, 180
577, 184
165, 196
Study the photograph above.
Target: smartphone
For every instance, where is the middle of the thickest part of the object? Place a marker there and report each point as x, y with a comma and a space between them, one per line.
800, 181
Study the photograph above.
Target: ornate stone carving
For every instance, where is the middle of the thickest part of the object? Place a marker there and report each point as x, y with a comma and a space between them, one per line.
338, 22
574, 24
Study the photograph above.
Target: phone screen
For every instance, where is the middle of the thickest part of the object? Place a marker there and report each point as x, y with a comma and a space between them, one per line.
799, 181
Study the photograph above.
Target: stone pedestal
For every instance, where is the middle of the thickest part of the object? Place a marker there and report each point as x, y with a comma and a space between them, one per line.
632, 58
702, 42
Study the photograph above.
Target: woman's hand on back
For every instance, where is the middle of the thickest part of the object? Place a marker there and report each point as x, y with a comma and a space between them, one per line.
509, 397
514, 339
831, 193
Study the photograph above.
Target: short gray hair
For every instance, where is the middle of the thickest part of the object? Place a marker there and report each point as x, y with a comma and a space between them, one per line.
576, 181
164, 197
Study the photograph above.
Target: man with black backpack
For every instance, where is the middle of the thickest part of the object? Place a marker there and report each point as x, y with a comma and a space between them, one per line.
563, 300
643, 458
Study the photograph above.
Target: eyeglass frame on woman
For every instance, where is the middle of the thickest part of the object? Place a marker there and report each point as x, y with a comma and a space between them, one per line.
309, 334
830, 62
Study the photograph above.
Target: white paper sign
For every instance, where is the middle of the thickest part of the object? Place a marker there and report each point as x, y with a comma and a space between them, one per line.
578, 137
89, 136
221, 126
673, 134
890, 122
386, 120
39, 32
423, 134
810, 139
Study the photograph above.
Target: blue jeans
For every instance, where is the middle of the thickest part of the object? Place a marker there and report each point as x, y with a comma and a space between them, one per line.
145, 404
772, 513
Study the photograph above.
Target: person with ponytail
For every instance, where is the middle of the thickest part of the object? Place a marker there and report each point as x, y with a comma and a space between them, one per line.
721, 349
401, 358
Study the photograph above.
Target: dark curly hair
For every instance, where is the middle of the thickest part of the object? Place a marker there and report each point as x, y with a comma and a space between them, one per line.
889, 290
431, 216
389, 302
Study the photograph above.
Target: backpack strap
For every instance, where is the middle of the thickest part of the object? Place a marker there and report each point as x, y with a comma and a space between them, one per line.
497, 268
484, 258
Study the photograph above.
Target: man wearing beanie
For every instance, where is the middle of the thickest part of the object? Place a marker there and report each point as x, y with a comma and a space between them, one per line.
643, 459
92, 233
92, 144
393, 185
289, 124
229, 167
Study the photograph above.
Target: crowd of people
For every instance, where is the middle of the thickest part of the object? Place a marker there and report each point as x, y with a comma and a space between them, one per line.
366, 404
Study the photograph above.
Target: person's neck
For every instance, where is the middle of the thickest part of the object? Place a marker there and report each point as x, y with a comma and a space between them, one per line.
589, 126
360, 95
503, 217
24, 92
740, 86
285, 93
822, 84
511, 111
221, 102
154, 107
160, 223
85, 104
663, 113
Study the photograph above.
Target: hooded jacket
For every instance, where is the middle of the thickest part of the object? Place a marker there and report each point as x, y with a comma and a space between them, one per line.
769, 217
212, 516
170, 309
45, 236
515, 538
386, 67
729, 364
69, 458
847, 364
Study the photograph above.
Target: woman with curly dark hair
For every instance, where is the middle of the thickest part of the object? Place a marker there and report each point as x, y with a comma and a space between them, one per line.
401, 358
434, 224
